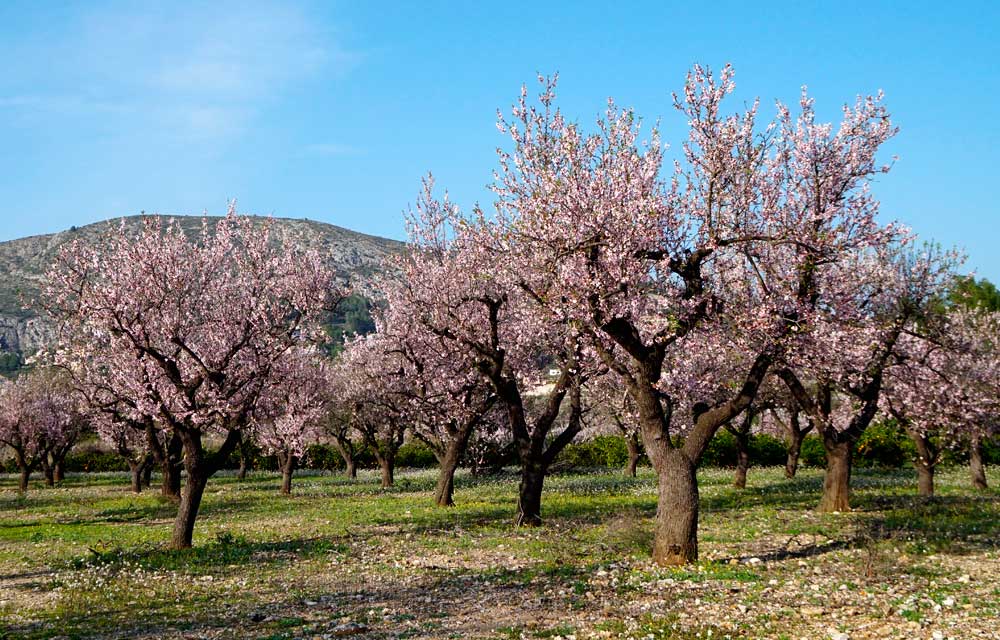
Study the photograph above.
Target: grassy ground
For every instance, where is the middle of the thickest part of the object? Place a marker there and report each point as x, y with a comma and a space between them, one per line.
338, 559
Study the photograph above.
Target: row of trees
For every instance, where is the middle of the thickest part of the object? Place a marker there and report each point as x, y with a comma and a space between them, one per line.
751, 276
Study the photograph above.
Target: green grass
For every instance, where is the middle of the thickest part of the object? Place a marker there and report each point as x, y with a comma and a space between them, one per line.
88, 559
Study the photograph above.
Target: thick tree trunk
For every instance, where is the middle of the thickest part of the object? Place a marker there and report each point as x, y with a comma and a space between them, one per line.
529, 497
59, 471
742, 460
837, 481
170, 486
245, 455
242, 473
976, 466
795, 438
634, 454
135, 472
675, 541
387, 464
22, 484
287, 469
187, 512
445, 489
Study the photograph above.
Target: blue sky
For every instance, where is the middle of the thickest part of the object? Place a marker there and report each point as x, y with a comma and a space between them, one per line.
334, 111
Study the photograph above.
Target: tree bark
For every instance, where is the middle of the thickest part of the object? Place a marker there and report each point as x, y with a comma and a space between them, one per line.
47, 471
925, 462
742, 460
837, 480
976, 467
244, 459
147, 472
675, 541
287, 469
135, 472
59, 471
529, 496
445, 489
22, 484
634, 454
795, 438
199, 467
346, 451
387, 464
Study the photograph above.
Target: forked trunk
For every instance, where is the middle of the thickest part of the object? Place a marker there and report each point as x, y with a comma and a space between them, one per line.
795, 438
976, 466
837, 481
675, 540
529, 497
634, 454
287, 469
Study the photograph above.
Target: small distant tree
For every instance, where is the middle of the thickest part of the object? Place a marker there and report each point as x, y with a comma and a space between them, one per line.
37, 418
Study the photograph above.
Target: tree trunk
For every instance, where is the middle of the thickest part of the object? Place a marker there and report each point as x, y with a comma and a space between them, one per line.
346, 451
170, 486
634, 454
675, 541
795, 438
742, 460
976, 466
244, 459
352, 469
287, 468
135, 472
50, 480
387, 463
925, 463
445, 489
147, 472
59, 471
242, 473
22, 484
529, 500
837, 480
187, 513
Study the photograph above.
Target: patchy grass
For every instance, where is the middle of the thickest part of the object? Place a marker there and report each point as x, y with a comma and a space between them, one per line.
342, 559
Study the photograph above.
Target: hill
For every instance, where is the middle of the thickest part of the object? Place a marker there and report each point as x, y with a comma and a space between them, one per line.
23, 263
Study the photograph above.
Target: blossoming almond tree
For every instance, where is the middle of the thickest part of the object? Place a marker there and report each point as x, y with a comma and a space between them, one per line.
457, 285
742, 230
37, 416
195, 329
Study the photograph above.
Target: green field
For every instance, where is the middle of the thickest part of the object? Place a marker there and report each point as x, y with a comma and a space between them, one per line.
341, 559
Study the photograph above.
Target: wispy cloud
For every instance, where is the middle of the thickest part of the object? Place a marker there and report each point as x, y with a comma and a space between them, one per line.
187, 71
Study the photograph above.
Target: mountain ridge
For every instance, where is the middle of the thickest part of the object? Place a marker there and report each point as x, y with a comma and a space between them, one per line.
353, 255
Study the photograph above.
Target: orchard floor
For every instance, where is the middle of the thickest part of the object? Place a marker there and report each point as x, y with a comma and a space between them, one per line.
341, 559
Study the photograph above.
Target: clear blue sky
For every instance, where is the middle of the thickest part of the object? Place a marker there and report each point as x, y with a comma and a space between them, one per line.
333, 111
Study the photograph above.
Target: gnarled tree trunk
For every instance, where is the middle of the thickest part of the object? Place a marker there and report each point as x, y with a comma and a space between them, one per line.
795, 438
387, 466
925, 462
135, 473
529, 493
444, 491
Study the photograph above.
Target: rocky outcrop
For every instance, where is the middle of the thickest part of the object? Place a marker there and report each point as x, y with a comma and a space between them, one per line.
23, 263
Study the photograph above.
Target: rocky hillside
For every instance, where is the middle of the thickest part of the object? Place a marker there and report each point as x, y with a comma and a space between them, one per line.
23, 263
